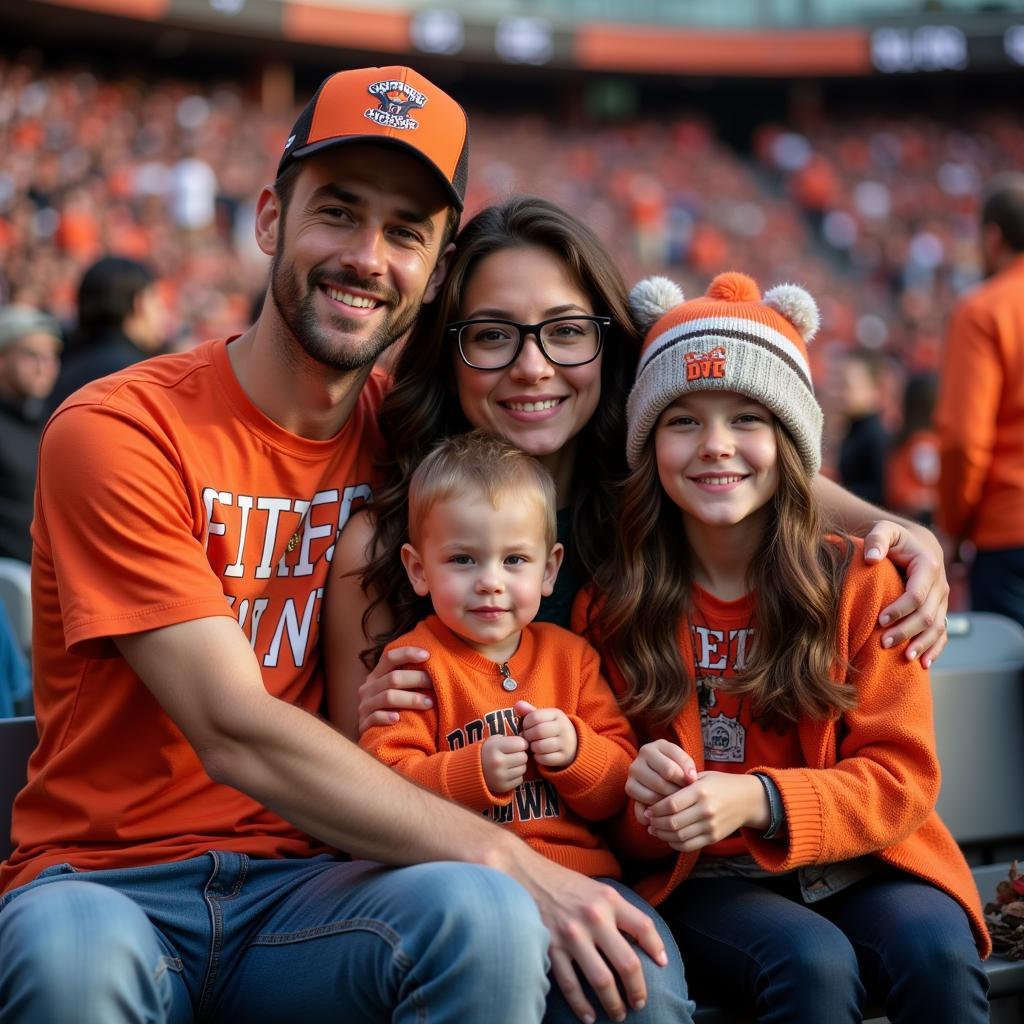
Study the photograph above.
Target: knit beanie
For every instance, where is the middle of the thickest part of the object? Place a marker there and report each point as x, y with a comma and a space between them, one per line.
17, 322
729, 340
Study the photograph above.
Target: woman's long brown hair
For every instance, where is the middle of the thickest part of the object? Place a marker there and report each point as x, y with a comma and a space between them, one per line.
645, 585
423, 405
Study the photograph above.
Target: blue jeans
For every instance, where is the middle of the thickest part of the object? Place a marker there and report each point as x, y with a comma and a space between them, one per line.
667, 998
752, 944
223, 937
997, 582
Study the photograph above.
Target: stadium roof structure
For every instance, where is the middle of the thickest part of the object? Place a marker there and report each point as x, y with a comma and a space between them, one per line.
726, 38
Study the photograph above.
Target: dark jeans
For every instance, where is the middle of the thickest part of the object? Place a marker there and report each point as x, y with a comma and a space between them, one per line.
754, 945
997, 582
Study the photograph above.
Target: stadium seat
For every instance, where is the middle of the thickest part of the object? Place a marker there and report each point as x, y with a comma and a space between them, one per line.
978, 690
17, 741
15, 593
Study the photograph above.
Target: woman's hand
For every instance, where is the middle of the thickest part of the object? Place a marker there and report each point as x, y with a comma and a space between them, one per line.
394, 685
918, 616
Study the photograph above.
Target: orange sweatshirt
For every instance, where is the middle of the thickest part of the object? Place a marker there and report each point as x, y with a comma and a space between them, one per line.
868, 781
979, 415
441, 748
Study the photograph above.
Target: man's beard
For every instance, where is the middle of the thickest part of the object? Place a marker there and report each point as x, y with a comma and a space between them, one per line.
317, 339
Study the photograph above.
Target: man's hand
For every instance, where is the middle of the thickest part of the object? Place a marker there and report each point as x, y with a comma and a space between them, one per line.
589, 924
708, 810
504, 760
551, 736
918, 616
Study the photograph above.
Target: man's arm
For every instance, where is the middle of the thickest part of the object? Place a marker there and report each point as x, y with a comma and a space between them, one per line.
206, 677
965, 418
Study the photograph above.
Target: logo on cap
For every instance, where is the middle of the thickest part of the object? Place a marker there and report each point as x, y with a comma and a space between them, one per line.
702, 365
396, 99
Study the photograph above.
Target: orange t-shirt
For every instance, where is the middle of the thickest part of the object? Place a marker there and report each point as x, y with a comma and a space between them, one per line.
165, 496
912, 476
979, 415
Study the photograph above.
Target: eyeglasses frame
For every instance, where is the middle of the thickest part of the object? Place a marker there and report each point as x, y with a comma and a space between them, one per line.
603, 323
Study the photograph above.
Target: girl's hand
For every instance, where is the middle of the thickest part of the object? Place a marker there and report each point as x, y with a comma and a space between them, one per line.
552, 737
504, 760
659, 770
708, 810
918, 617
392, 687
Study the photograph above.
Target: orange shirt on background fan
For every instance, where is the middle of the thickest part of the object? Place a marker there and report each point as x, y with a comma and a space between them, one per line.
165, 496
912, 476
979, 415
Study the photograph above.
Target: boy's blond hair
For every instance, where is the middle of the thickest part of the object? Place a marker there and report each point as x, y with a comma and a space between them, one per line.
480, 462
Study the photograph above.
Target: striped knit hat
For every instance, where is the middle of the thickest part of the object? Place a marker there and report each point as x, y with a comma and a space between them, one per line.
729, 340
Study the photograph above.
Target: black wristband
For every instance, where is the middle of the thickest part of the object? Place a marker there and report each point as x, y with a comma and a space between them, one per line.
776, 811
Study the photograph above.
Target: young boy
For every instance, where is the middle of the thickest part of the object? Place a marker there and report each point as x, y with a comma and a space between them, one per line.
524, 728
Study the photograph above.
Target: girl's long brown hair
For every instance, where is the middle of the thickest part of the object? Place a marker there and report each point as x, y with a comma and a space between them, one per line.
645, 585
423, 405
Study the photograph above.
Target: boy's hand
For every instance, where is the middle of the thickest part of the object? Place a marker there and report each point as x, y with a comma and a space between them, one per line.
504, 760
552, 737
660, 769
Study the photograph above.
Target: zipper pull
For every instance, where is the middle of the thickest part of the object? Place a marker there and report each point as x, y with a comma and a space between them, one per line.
507, 682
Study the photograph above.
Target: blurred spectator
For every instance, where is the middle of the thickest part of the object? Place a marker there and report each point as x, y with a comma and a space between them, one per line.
980, 411
121, 319
30, 346
912, 472
865, 445
15, 682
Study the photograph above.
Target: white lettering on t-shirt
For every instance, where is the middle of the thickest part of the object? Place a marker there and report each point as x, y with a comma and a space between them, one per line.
311, 530
273, 506
345, 509
252, 541
237, 567
211, 495
298, 633
708, 647
735, 653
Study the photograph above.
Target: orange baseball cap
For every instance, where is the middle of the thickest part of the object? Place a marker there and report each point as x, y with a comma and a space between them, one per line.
395, 106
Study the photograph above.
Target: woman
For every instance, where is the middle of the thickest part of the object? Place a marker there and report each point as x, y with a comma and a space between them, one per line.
472, 363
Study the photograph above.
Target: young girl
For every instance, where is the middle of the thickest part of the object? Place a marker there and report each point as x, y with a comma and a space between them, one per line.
791, 765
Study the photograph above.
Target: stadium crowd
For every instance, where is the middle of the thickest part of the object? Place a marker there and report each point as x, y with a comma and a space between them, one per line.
164, 170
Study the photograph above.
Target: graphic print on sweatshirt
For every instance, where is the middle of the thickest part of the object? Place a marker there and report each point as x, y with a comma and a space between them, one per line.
534, 797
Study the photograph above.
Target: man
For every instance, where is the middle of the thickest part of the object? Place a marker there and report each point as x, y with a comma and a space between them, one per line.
174, 842
980, 411
121, 320
30, 344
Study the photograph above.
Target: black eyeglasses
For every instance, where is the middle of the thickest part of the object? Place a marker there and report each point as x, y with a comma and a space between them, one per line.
564, 340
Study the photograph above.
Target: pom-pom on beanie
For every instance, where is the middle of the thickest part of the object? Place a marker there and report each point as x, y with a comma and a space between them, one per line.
730, 339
